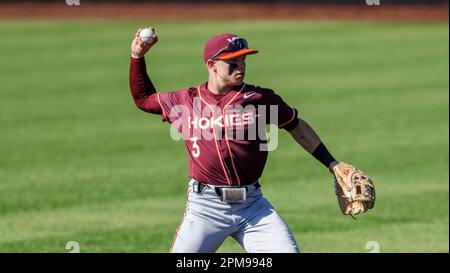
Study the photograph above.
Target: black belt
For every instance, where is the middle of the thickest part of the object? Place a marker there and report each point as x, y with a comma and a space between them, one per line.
199, 186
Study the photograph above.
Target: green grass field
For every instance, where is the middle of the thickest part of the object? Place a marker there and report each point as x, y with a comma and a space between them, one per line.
78, 161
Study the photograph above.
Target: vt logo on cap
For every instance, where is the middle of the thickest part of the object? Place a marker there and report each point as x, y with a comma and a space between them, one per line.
226, 46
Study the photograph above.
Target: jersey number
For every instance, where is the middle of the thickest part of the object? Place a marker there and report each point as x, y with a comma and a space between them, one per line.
195, 147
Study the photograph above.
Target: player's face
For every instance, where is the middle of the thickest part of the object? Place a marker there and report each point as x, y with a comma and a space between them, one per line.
231, 71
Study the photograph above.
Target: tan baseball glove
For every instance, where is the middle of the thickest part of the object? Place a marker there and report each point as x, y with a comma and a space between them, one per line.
355, 191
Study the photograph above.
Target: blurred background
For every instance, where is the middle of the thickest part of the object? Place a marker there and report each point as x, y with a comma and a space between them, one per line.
82, 169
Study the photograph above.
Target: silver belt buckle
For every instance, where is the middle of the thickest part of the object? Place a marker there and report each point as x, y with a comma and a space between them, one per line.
195, 187
234, 195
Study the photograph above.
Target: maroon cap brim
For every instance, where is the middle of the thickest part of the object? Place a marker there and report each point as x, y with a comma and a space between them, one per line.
238, 53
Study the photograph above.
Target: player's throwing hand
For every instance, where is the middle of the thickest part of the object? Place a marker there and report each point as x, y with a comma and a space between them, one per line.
139, 48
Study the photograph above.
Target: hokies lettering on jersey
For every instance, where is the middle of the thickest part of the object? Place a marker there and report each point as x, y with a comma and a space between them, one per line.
227, 120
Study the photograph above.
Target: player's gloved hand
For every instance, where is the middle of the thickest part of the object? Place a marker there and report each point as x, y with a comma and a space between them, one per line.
139, 48
355, 191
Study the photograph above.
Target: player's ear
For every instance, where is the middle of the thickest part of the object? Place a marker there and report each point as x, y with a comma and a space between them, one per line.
212, 65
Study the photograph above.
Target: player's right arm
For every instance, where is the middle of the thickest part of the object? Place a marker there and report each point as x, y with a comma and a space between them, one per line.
142, 88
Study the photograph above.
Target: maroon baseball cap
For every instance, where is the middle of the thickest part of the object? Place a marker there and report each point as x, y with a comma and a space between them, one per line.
226, 46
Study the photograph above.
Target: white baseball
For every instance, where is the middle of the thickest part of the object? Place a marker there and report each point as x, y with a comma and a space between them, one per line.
147, 35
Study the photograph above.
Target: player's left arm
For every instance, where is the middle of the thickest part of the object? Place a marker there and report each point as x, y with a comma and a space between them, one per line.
311, 142
354, 190
300, 130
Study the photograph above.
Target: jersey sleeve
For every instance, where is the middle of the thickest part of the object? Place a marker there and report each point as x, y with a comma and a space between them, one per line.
173, 104
285, 116
142, 89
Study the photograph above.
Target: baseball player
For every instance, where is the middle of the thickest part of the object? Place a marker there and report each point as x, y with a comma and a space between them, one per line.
224, 195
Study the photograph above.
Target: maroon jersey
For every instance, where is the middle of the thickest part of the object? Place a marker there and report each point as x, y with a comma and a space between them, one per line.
224, 134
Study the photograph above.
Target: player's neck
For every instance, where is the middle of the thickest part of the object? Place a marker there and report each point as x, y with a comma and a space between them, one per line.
217, 87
